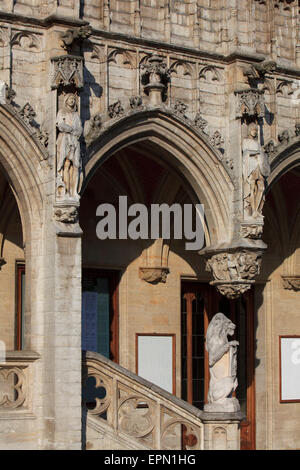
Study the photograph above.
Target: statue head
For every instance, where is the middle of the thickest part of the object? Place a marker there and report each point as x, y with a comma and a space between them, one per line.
70, 102
252, 130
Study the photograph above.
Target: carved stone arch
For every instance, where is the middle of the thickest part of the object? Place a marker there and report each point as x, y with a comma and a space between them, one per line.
128, 57
182, 147
188, 68
210, 73
26, 40
20, 159
283, 161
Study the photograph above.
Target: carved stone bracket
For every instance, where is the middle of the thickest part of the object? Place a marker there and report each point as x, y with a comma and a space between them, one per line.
67, 70
154, 275
74, 36
234, 270
154, 267
291, 282
252, 231
65, 216
250, 103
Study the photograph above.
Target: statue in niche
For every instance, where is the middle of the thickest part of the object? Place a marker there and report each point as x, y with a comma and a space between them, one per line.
68, 146
222, 356
256, 169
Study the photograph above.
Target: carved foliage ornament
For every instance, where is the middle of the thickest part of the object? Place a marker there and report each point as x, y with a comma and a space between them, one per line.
66, 71
250, 103
234, 272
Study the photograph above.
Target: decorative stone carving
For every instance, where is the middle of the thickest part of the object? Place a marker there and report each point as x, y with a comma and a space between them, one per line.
28, 114
180, 108
136, 102
68, 148
155, 76
75, 35
67, 71
216, 139
252, 231
154, 275
291, 282
270, 149
256, 169
297, 129
250, 103
222, 356
200, 123
92, 129
154, 267
234, 272
13, 387
9, 94
133, 420
25, 40
116, 109
284, 137
66, 214
256, 71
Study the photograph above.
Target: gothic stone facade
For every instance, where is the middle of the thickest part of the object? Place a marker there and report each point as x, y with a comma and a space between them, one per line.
173, 99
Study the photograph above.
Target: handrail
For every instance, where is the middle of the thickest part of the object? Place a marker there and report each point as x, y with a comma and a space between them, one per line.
136, 409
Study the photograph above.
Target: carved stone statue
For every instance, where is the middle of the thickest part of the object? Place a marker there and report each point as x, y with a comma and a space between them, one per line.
222, 356
68, 146
256, 169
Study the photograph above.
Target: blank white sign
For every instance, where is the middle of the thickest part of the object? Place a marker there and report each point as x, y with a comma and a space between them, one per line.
290, 368
155, 360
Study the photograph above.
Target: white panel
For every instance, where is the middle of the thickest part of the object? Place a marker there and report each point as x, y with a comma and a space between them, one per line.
290, 368
155, 360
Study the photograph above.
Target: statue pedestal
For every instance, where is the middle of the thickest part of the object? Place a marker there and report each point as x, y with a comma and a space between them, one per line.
222, 430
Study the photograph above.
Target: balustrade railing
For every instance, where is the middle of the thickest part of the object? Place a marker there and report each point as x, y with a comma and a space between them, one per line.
134, 408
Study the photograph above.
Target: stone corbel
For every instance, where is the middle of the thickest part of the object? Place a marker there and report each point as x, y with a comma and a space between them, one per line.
291, 282
154, 267
233, 269
65, 217
75, 36
154, 275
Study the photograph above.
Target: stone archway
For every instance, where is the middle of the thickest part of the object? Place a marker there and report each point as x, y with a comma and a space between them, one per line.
184, 149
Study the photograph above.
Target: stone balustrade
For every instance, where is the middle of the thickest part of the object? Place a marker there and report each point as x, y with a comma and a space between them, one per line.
16, 381
125, 411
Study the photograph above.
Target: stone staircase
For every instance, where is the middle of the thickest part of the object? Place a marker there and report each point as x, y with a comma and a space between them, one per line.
123, 411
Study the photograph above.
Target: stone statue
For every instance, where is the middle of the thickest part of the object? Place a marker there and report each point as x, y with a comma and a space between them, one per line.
68, 146
256, 169
222, 355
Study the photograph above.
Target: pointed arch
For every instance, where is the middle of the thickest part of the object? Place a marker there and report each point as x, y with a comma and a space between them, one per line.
182, 147
20, 159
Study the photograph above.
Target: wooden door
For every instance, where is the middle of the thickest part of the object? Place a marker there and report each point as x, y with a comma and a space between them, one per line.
200, 302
